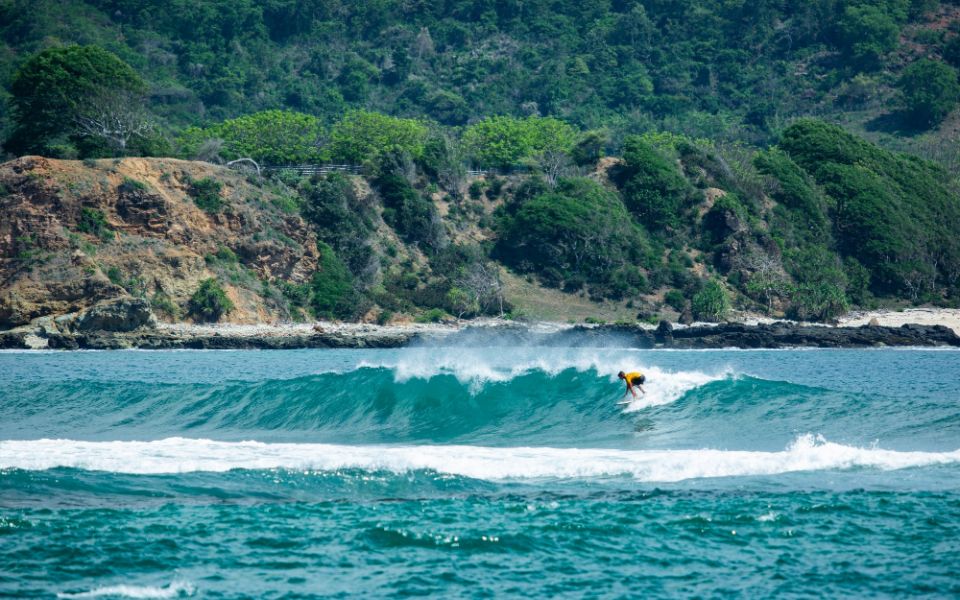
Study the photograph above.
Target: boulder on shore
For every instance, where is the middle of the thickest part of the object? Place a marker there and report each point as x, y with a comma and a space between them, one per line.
122, 314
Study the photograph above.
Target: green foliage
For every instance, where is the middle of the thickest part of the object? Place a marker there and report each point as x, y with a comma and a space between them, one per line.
272, 137
930, 91
52, 87
331, 287
209, 302
867, 33
580, 230
794, 190
653, 188
364, 136
434, 315
94, 222
507, 141
710, 303
206, 194
895, 214
340, 219
162, 303
414, 218
675, 299
131, 186
951, 51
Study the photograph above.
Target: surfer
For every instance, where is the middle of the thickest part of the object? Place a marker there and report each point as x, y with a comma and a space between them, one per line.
633, 379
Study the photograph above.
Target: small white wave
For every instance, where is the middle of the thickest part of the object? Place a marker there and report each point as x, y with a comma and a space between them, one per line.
175, 589
180, 455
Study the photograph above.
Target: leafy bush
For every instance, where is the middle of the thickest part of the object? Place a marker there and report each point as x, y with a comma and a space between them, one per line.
930, 91
653, 188
131, 185
414, 218
675, 299
210, 301
206, 194
364, 136
711, 303
94, 222
507, 141
340, 218
332, 293
272, 137
579, 230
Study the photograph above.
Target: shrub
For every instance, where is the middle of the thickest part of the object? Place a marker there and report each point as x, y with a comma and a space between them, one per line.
710, 303
210, 301
930, 91
331, 288
413, 217
652, 186
206, 194
579, 232
434, 315
131, 185
94, 222
675, 299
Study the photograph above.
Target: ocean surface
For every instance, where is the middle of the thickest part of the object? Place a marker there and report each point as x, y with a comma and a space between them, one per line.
476, 473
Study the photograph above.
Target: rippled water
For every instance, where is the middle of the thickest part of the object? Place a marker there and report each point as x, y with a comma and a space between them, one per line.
478, 473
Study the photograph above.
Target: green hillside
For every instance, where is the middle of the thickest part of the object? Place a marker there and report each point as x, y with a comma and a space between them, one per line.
655, 158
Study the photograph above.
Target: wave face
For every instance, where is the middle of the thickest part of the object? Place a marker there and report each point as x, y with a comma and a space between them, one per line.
368, 404
369, 473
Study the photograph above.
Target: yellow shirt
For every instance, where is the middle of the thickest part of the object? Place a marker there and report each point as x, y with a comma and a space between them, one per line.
633, 378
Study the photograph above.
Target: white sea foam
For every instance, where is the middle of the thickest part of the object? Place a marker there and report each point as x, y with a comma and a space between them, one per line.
180, 455
176, 589
476, 367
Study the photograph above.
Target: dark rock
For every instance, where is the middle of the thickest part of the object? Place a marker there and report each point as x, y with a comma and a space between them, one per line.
123, 314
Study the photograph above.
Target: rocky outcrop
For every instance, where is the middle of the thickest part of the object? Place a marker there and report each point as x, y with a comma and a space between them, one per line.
52, 334
123, 314
75, 234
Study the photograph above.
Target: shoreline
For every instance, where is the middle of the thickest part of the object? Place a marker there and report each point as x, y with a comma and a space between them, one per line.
913, 327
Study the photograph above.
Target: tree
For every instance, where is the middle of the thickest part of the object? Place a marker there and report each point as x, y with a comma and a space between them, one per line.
710, 303
210, 302
653, 188
578, 232
364, 136
53, 88
331, 286
272, 137
114, 117
930, 91
507, 141
867, 33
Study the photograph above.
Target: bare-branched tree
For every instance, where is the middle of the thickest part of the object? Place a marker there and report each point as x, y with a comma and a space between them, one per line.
481, 283
115, 117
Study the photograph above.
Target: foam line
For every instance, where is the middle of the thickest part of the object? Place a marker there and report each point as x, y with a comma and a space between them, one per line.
175, 589
180, 455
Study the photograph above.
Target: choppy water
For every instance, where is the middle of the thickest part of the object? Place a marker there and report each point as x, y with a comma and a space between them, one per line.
479, 473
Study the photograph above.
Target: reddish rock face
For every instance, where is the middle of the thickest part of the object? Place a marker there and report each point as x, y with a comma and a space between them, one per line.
75, 233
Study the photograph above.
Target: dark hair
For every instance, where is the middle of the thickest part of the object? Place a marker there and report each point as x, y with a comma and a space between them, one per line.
621, 375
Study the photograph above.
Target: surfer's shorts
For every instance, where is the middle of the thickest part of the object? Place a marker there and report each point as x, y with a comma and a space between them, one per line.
638, 380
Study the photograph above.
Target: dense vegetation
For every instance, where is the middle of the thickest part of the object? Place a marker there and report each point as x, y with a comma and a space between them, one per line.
651, 153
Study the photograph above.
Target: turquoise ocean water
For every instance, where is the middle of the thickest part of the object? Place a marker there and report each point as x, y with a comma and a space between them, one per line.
474, 473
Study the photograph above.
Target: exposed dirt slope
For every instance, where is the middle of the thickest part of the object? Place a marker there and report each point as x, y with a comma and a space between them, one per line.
74, 233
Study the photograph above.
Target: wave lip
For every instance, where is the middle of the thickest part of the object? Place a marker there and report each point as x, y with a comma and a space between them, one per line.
175, 589
181, 455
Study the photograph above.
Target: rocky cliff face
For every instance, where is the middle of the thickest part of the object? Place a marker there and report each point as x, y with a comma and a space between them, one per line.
74, 234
